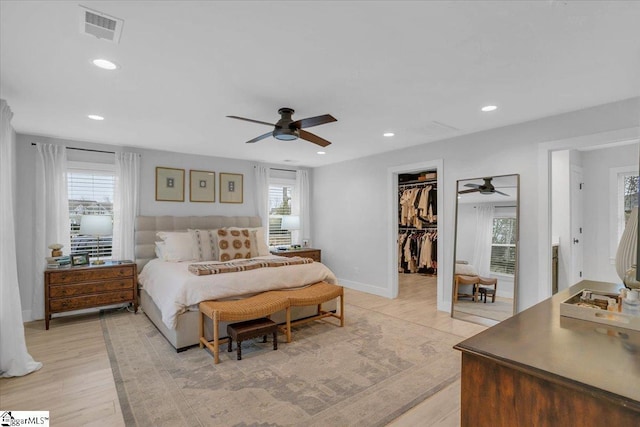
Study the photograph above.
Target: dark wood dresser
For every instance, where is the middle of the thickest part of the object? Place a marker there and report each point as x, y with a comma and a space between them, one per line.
314, 254
542, 369
76, 288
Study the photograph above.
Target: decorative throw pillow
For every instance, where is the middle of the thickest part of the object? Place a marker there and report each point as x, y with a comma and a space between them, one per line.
177, 245
160, 250
204, 244
258, 243
234, 243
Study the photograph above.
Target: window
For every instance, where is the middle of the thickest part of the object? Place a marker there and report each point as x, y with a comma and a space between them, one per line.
279, 204
503, 246
90, 190
629, 193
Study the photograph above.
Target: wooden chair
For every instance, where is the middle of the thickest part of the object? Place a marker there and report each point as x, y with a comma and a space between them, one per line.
466, 280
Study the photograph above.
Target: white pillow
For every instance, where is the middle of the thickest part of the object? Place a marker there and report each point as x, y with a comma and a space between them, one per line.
204, 244
261, 243
160, 250
177, 245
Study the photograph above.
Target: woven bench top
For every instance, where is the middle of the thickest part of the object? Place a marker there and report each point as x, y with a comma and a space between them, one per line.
249, 308
311, 295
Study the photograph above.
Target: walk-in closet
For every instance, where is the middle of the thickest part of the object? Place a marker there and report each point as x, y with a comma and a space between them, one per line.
417, 227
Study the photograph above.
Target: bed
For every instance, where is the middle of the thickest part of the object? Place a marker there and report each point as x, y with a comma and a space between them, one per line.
173, 309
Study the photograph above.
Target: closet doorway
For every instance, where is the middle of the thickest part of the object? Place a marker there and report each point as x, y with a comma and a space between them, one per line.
416, 251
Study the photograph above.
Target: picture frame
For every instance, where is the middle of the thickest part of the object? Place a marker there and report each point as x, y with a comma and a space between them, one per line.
231, 187
169, 184
202, 186
80, 259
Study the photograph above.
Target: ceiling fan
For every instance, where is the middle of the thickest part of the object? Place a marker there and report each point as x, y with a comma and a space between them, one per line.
286, 129
486, 188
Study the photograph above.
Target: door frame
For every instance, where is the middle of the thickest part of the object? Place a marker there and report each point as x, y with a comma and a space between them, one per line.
392, 222
610, 138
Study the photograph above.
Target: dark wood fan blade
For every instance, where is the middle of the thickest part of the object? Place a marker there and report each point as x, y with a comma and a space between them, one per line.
313, 138
469, 191
473, 185
313, 121
259, 138
251, 120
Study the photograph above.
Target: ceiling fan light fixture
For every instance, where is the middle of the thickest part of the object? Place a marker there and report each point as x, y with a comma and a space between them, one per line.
285, 134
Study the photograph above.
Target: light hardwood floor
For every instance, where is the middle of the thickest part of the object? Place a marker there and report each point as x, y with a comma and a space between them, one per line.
76, 385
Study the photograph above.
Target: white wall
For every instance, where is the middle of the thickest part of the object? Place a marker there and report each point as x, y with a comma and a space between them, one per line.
598, 262
25, 181
355, 241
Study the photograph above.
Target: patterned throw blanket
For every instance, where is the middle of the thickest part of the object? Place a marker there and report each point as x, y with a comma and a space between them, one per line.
245, 265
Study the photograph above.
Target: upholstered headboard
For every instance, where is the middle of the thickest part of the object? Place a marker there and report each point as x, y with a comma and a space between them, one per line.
148, 226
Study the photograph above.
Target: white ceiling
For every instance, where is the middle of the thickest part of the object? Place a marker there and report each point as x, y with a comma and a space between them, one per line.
378, 66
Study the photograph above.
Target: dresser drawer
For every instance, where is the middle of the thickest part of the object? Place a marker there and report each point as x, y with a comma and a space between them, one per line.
76, 276
66, 304
57, 291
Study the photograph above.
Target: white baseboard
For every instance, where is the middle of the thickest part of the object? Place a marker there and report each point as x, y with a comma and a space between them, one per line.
375, 290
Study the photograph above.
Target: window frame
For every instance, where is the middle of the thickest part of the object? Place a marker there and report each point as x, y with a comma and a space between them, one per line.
93, 168
282, 182
616, 212
507, 215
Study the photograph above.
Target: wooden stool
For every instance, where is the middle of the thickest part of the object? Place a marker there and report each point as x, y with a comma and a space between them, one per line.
254, 307
252, 329
484, 291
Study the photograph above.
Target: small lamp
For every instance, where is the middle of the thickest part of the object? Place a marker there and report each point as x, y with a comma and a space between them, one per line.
290, 222
627, 249
96, 225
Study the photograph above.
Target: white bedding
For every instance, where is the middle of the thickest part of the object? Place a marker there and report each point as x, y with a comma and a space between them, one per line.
173, 288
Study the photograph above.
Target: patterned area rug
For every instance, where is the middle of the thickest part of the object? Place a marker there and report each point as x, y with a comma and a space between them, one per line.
365, 374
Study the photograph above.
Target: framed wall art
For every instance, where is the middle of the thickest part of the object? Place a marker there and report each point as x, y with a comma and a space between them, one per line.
169, 184
231, 188
202, 186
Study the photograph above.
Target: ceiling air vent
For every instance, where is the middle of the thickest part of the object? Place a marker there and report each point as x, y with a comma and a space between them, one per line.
100, 25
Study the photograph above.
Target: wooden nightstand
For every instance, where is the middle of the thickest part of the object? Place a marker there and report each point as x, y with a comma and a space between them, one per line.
76, 288
303, 252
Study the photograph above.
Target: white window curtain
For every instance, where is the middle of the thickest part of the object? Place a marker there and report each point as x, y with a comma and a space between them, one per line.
262, 195
483, 240
51, 215
125, 205
15, 360
300, 207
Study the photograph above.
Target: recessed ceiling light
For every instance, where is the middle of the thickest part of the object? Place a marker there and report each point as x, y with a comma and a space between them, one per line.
95, 117
388, 134
322, 152
488, 108
104, 64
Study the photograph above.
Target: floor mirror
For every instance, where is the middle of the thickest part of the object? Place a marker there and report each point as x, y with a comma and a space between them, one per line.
485, 279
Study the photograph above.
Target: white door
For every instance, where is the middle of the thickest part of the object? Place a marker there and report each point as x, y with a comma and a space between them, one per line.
576, 224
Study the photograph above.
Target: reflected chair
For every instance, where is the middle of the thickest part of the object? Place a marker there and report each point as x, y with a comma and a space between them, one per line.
466, 280
483, 289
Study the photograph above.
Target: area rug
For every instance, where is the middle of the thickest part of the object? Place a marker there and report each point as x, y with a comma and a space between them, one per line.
365, 374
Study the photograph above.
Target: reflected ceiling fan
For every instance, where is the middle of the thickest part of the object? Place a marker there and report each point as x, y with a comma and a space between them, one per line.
486, 188
287, 129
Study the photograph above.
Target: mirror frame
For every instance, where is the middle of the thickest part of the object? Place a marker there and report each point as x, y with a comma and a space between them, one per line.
470, 317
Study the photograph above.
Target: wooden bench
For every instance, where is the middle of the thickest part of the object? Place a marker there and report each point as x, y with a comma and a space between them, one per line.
261, 305
251, 329
316, 294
